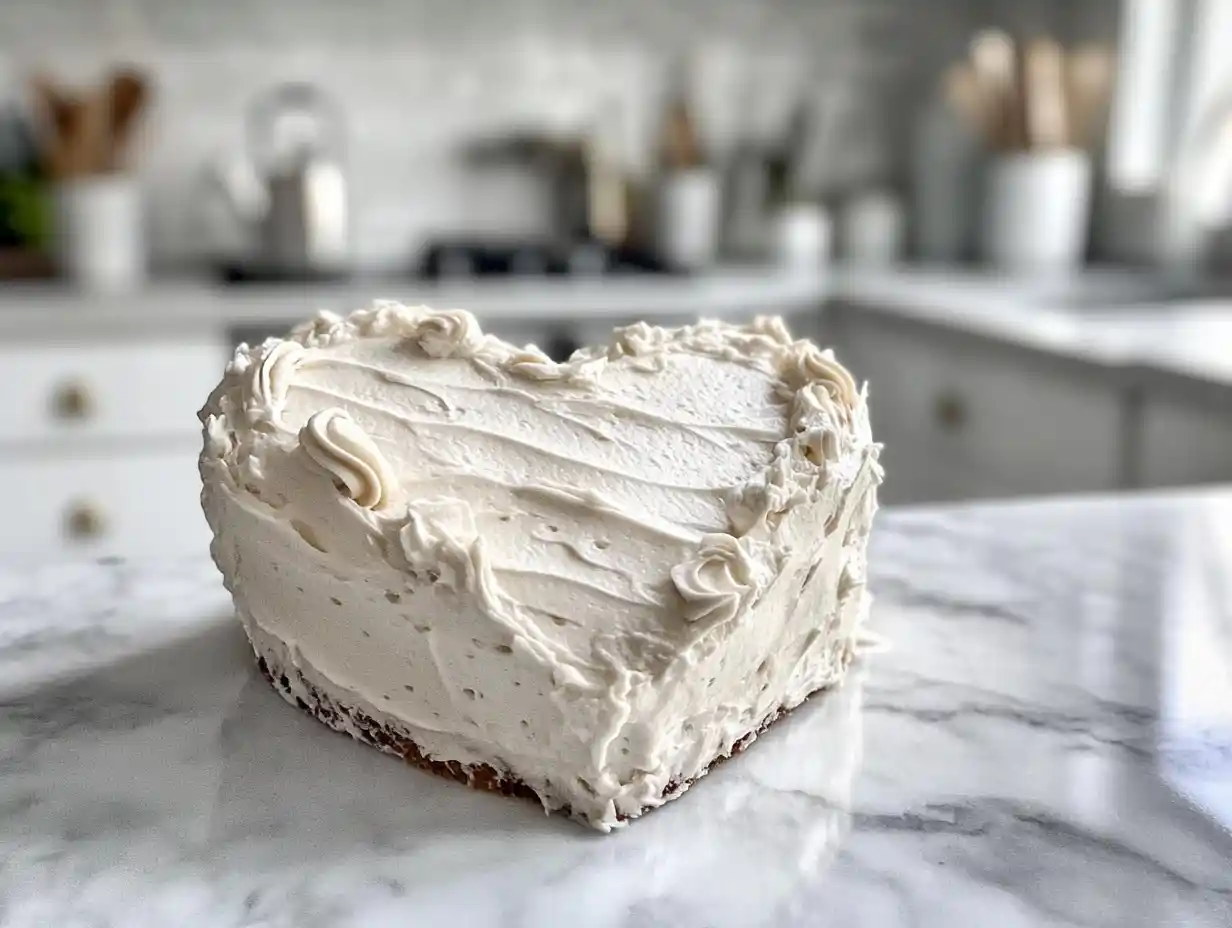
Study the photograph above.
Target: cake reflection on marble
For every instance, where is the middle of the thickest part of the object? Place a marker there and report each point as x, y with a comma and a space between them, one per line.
583, 582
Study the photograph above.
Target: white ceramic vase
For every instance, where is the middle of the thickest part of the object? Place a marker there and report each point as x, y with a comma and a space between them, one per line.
100, 243
1036, 209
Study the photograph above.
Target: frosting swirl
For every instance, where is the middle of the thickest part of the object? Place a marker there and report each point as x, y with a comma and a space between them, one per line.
531, 363
382, 318
270, 378
637, 340
448, 333
338, 445
821, 425
716, 580
766, 496
806, 364
815, 403
437, 540
772, 327
317, 331
819, 444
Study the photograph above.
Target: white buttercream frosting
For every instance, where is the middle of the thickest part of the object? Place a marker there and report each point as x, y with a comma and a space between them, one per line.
438, 541
449, 333
597, 574
719, 578
269, 379
342, 449
805, 365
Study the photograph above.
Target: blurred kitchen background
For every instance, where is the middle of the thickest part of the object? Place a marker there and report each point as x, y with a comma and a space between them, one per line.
1010, 216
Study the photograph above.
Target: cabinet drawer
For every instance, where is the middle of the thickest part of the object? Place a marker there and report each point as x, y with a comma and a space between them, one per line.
123, 504
54, 391
1184, 442
961, 419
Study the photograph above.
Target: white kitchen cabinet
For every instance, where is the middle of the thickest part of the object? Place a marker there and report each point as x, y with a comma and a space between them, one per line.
1184, 439
964, 418
66, 392
99, 441
130, 502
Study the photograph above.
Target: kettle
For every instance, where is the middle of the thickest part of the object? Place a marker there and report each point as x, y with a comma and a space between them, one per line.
291, 192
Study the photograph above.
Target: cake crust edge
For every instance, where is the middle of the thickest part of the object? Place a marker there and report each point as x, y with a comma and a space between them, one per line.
294, 688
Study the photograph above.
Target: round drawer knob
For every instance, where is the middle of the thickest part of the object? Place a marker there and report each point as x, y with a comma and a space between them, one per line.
73, 401
950, 412
84, 521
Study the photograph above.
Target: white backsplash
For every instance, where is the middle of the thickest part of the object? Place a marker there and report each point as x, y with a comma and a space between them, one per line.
418, 78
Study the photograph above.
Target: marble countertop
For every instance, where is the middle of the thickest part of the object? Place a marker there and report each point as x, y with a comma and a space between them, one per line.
1047, 742
40, 310
1127, 321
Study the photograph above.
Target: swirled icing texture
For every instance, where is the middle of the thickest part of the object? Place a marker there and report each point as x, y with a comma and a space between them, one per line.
337, 445
597, 574
718, 579
446, 334
438, 538
269, 380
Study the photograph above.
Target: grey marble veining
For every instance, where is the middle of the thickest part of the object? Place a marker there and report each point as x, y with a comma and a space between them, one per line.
1047, 742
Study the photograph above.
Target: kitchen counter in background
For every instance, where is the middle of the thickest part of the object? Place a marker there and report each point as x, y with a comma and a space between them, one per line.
984, 386
1047, 742
1123, 320
1113, 318
193, 306
981, 386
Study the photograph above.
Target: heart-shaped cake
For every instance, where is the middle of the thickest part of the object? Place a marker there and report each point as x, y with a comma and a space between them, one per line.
585, 581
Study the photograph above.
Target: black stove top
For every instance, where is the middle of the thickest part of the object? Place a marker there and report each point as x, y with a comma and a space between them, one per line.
468, 259
462, 259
